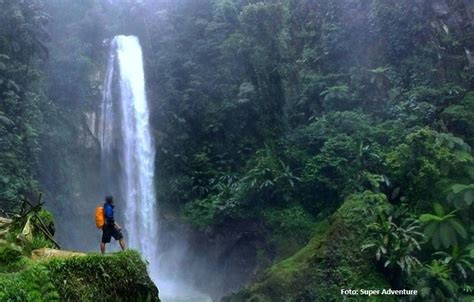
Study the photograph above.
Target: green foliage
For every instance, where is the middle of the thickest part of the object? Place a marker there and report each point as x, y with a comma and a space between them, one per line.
276, 111
40, 222
266, 181
460, 261
330, 252
461, 195
291, 228
339, 153
119, 277
209, 211
435, 282
41, 288
31, 285
12, 290
395, 245
47, 218
10, 258
459, 118
269, 177
443, 228
22, 41
336, 98
423, 161
39, 241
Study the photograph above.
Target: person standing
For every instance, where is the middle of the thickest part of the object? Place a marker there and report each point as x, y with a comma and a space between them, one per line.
110, 228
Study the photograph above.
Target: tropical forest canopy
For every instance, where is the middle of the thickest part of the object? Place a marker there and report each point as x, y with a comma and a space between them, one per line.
277, 114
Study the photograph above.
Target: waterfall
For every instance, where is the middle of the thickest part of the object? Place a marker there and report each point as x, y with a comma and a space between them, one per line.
127, 147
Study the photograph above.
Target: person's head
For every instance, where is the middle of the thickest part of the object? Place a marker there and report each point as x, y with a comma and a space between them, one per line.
109, 199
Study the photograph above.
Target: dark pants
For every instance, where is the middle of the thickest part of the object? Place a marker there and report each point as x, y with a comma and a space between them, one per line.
108, 231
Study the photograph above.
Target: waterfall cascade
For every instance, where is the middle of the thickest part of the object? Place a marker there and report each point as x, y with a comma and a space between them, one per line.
128, 153
127, 147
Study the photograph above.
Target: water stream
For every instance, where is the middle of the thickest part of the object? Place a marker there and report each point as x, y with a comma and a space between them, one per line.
128, 154
127, 147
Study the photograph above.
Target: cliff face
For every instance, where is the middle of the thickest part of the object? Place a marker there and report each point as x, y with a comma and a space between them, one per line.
457, 17
69, 177
332, 260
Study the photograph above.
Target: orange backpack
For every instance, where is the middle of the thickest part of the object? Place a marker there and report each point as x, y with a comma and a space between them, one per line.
99, 217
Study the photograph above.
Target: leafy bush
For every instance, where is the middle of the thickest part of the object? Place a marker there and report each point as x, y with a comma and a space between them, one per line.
266, 181
435, 282
211, 210
330, 174
395, 245
328, 262
461, 195
421, 162
443, 228
460, 261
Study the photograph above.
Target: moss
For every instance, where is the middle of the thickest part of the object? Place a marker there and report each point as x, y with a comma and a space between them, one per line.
332, 260
116, 277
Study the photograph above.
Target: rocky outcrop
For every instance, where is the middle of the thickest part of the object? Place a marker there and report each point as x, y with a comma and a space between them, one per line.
116, 277
457, 18
67, 276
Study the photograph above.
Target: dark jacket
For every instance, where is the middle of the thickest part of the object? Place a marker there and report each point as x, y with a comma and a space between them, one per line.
109, 213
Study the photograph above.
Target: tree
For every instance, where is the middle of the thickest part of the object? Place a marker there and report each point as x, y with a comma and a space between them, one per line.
336, 98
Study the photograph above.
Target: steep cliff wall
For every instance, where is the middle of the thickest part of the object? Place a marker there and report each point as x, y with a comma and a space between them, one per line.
331, 261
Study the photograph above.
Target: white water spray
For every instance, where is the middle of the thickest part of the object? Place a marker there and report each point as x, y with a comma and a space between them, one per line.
128, 164
127, 147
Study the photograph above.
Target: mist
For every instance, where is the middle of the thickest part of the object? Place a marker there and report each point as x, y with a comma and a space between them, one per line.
285, 150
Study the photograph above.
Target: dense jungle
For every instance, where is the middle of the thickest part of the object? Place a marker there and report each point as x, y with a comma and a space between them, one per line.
301, 148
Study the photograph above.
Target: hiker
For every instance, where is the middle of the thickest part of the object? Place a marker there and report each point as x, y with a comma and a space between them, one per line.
110, 228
